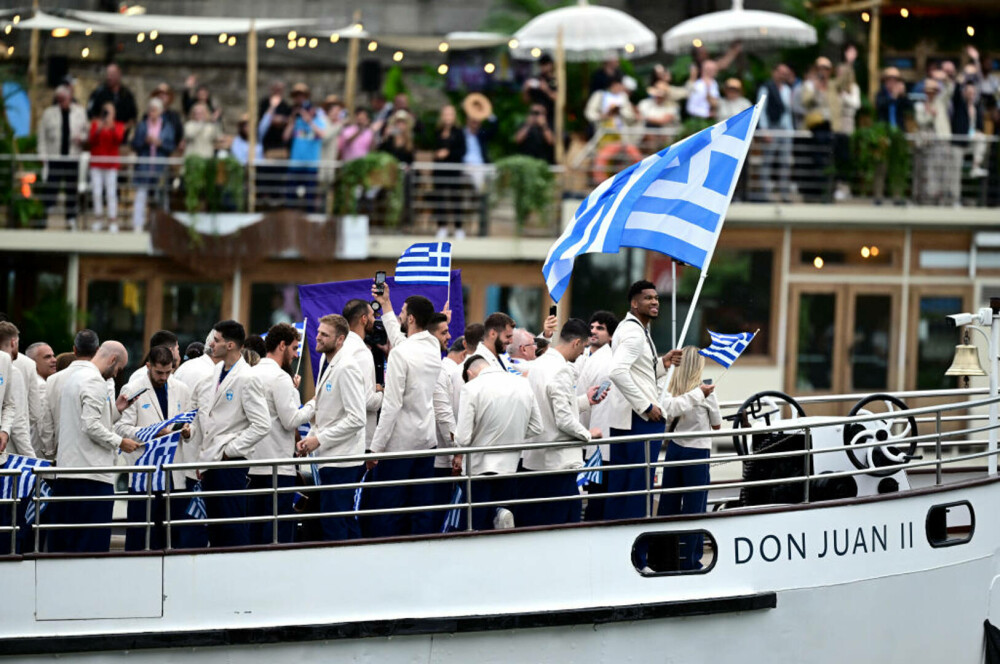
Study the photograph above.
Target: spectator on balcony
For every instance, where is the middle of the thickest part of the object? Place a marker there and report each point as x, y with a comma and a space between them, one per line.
660, 109
274, 114
541, 88
112, 90
610, 109
165, 93
153, 141
845, 101
195, 93
891, 103
449, 142
605, 77
201, 133
733, 102
480, 127
776, 167
535, 138
815, 95
399, 137
704, 97
240, 146
335, 120
106, 135
357, 139
305, 130
62, 132
932, 151
967, 127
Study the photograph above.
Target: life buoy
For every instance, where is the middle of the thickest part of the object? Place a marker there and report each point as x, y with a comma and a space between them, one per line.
612, 158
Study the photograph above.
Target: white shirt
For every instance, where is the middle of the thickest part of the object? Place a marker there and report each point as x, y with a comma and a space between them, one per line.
551, 380
407, 421
696, 413
355, 347
444, 414
236, 415
50, 417
86, 437
7, 407
497, 408
595, 371
194, 371
339, 422
20, 433
146, 410
697, 103
283, 407
636, 373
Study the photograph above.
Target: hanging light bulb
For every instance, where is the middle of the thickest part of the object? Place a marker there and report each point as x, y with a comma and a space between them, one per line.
397, 56
904, 12
489, 68
17, 19
971, 31
334, 38
232, 41
153, 34
59, 33
865, 16
697, 43
141, 37
536, 52
85, 53
269, 43
313, 43
442, 69
357, 27
292, 35
7, 28
159, 49
373, 46
223, 37
88, 31
818, 263
630, 48
513, 43
865, 252
194, 39
443, 47
291, 46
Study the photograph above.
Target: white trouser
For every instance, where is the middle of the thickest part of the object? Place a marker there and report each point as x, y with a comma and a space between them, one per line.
104, 185
139, 208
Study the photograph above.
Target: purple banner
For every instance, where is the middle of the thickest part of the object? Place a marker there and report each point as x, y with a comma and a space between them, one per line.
318, 300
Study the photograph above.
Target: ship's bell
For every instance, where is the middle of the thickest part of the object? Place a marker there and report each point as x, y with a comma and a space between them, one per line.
966, 362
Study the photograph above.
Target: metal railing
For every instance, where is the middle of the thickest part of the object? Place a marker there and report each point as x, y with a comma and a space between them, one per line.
961, 449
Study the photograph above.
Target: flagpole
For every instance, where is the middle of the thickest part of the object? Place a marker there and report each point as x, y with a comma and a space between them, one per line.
722, 375
305, 321
673, 302
715, 241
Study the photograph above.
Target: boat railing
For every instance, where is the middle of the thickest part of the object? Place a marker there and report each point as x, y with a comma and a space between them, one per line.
965, 440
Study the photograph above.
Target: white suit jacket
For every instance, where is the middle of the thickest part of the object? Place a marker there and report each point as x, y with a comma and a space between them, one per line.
407, 421
7, 407
86, 436
339, 421
355, 347
146, 410
636, 373
194, 371
50, 416
21, 384
284, 413
235, 413
551, 380
594, 371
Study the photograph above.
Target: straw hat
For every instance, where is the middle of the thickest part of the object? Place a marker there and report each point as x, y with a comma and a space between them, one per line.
891, 72
477, 106
331, 100
402, 116
734, 84
822, 61
300, 88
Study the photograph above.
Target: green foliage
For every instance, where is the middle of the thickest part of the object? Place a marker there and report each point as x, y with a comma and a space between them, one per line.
375, 169
212, 185
507, 16
881, 147
50, 321
394, 83
531, 183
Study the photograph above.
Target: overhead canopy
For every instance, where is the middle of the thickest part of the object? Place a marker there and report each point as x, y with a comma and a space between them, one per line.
43, 21
456, 41
107, 22
754, 28
589, 32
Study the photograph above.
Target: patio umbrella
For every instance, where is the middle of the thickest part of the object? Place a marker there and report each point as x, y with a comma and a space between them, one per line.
752, 27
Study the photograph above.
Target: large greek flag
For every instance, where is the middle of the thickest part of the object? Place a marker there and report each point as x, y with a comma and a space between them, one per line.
158, 452
726, 348
20, 486
425, 263
673, 202
148, 433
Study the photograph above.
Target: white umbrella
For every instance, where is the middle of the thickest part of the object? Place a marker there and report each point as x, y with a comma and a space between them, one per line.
589, 32
750, 26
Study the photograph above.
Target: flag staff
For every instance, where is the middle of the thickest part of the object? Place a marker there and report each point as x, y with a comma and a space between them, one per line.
305, 321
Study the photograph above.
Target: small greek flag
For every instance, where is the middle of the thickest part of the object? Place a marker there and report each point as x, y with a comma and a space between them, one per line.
25, 481
726, 348
425, 263
357, 495
315, 471
592, 474
148, 433
157, 452
196, 506
303, 430
44, 492
453, 520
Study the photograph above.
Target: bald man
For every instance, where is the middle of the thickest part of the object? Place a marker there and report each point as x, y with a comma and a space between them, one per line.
45, 365
87, 439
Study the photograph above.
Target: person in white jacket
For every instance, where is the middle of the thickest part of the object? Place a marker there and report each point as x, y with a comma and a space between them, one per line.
284, 406
233, 419
87, 439
156, 396
6, 403
497, 408
594, 369
24, 390
552, 379
85, 345
688, 405
361, 317
196, 370
338, 428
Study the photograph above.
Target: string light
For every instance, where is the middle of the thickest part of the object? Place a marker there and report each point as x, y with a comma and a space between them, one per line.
536, 52
904, 12
334, 38
630, 48
159, 49
269, 43
489, 68
865, 252
291, 46
874, 250
313, 43
223, 37
10, 51
397, 56
59, 33
232, 41
442, 69
372, 46
194, 39
141, 37
358, 27
818, 263
513, 43
17, 19
697, 43
301, 41
153, 34
292, 35
971, 31
7, 28
88, 31
443, 47
865, 16
85, 52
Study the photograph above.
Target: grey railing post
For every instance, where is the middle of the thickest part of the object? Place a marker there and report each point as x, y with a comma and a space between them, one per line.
167, 523
937, 447
649, 497
806, 457
149, 508
38, 516
468, 493
274, 503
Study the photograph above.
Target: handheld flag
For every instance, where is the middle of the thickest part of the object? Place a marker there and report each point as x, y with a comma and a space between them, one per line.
148, 433
196, 506
425, 263
158, 452
20, 486
357, 495
592, 474
673, 202
44, 492
726, 348
454, 518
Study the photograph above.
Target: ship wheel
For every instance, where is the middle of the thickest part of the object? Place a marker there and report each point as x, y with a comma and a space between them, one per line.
762, 408
895, 426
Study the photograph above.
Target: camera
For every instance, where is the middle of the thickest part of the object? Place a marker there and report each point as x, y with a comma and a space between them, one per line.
378, 336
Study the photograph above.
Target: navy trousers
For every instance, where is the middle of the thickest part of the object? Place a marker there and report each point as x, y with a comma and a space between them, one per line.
186, 536
499, 488
690, 502
262, 532
595, 500
339, 500
24, 536
83, 540
443, 493
135, 538
226, 507
390, 525
631, 507
547, 486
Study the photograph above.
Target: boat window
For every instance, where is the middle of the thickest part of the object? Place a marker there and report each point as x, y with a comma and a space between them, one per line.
673, 553
951, 524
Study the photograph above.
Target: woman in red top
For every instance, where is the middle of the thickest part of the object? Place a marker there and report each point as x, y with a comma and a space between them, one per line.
106, 134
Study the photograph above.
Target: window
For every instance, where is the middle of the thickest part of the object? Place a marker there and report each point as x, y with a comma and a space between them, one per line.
523, 303
271, 304
117, 310
951, 524
936, 339
660, 554
191, 309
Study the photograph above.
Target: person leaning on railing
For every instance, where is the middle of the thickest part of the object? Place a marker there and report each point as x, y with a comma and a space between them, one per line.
688, 405
106, 137
154, 139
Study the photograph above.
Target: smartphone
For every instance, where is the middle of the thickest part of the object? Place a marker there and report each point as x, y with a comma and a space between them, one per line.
552, 310
137, 395
707, 381
602, 389
380, 282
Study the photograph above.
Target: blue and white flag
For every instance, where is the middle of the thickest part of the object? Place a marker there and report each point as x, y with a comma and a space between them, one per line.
454, 518
357, 495
158, 452
148, 433
20, 486
592, 474
196, 506
673, 202
425, 263
44, 492
726, 348
300, 327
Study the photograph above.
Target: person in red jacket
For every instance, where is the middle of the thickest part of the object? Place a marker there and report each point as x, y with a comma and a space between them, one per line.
106, 135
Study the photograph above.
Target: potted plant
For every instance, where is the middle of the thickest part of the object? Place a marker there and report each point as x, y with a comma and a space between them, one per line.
530, 183
376, 170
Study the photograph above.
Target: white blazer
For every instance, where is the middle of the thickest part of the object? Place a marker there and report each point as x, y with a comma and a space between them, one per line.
283, 409
86, 436
7, 407
194, 371
50, 417
146, 410
407, 421
20, 434
551, 380
355, 347
636, 373
339, 421
236, 415
594, 371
